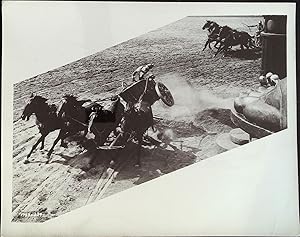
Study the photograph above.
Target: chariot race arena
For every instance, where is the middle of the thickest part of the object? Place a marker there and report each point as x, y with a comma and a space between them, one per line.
202, 104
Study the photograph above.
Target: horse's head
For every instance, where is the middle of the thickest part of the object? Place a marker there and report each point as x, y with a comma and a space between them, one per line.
71, 99
32, 106
71, 106
67, 102
206, 25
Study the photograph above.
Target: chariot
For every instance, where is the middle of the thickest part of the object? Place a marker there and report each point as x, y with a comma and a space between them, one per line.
147, 90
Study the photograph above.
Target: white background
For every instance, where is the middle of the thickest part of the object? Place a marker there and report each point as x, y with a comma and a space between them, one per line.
40, 36
250, 190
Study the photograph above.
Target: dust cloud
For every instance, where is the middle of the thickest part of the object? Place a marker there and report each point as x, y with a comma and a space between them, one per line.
189, 101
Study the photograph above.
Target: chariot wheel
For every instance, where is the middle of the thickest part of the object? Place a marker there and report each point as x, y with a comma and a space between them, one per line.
164, 94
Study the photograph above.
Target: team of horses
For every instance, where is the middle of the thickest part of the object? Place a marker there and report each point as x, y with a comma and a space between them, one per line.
225, 37
71, 117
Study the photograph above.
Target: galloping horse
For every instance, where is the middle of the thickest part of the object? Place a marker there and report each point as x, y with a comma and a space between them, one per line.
76, 118
213, 32
46, 119
138, 116
137, 119
107, 119
73, 117
230, 37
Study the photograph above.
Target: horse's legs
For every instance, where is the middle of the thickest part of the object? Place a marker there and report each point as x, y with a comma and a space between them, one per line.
33, 148
62, 140
224, 50
138, 155
217, 42
63, 143
84, 134
43, 143
139, 149
206, 45
44, 135
98, 136
209, 41
62, 134
220, 49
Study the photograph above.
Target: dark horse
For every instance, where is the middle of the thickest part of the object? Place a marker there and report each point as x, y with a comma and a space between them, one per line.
138, 115
46, 119
213, 33
230, 37
76, 118
137, 119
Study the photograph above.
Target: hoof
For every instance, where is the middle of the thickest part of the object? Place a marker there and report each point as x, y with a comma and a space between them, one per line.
26, 161
111, 163
137, 165
64, 145
88, 166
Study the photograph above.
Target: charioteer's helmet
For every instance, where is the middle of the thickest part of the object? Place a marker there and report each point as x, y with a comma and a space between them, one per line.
150, 65
151, 77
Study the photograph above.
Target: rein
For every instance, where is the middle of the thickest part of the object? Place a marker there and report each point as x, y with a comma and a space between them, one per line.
85, 125
144, 92
77, 121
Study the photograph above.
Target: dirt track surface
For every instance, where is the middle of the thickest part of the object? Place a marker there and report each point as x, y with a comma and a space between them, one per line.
203, 88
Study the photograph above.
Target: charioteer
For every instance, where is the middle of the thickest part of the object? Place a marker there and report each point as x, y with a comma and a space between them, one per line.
140, 72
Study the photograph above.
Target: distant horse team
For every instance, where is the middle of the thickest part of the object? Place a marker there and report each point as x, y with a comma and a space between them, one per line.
226, 37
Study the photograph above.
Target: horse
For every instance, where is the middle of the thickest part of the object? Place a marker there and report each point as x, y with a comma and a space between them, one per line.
73, 119
138, 117
230, 37
209, 25
213, 32
76, 118
107, 119
46, 119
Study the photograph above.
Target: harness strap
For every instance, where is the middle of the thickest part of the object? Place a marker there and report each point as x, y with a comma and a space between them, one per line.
77, 121
144, 92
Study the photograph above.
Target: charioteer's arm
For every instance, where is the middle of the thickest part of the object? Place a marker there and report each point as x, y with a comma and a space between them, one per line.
136, 72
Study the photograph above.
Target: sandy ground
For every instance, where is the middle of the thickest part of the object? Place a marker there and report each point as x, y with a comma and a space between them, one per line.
203, 88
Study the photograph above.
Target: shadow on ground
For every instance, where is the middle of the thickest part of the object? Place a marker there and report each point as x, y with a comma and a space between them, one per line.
247, 54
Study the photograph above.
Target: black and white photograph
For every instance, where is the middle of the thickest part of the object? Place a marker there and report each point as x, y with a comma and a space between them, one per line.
142, 108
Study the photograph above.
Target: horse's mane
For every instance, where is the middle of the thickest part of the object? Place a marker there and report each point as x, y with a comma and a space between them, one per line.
42, 106
70, 98
40, 98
